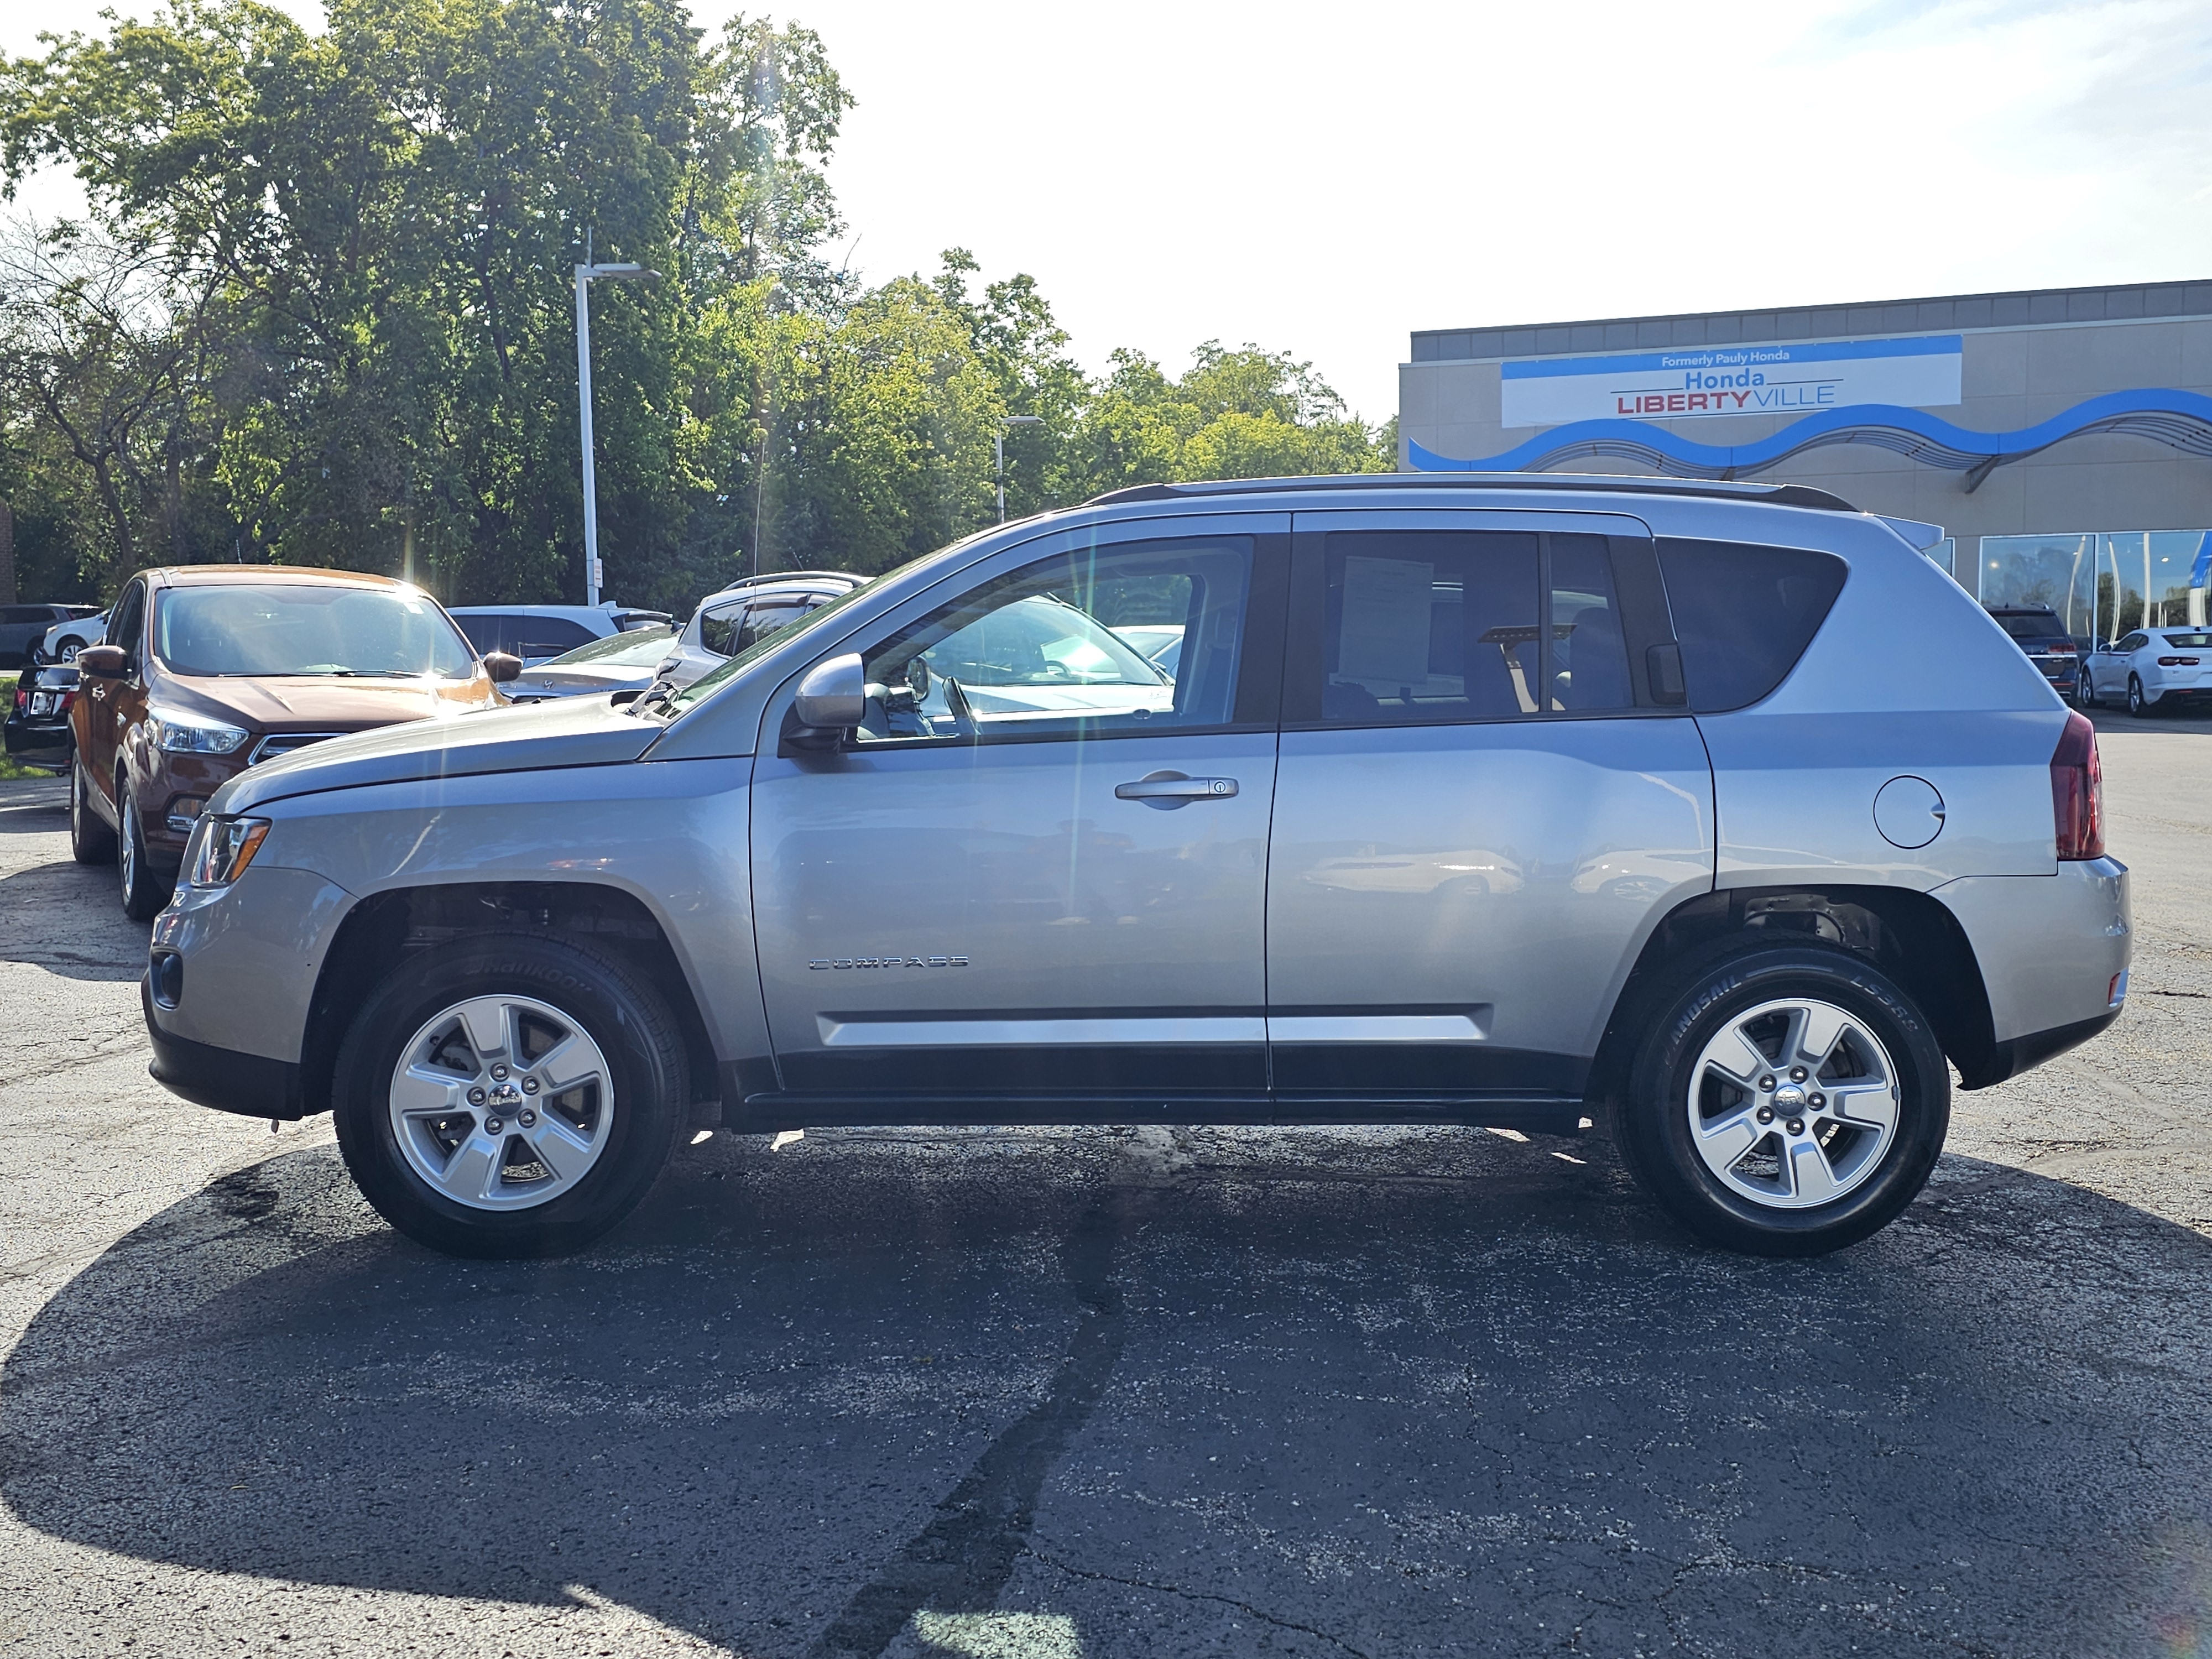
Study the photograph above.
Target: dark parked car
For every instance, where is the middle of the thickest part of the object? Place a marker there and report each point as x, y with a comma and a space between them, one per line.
539, 633
38, 723
2036, 629
23, 627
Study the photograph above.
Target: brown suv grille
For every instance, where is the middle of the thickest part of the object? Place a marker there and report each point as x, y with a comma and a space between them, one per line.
284, 743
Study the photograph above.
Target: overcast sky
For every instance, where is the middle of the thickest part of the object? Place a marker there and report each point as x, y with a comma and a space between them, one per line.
1324, 179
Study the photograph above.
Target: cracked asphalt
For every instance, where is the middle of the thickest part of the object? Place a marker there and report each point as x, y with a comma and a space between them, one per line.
1049, 1393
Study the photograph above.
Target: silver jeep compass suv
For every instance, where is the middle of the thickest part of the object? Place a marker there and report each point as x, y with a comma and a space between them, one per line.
1716, 813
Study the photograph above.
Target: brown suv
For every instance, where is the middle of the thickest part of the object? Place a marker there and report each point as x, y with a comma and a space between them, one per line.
207, 669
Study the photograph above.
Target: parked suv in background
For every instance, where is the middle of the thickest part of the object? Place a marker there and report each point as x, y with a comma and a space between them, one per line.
23, 628
65, 639
1713, 812
2037, 631
211, 669
745, 612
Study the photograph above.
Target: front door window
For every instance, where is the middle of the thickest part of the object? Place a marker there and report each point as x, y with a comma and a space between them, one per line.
1057, 648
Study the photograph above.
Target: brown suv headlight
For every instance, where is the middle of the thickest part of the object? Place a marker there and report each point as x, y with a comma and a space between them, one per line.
190, 734
222, 848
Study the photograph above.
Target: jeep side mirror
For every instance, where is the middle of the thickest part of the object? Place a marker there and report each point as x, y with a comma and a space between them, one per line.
501, 665
834, 696
104, 662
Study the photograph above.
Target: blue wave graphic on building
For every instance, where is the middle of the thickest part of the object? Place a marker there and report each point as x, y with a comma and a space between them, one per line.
2181, 420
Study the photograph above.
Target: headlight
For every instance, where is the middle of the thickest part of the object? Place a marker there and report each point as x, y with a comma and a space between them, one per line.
221, 850
190, 734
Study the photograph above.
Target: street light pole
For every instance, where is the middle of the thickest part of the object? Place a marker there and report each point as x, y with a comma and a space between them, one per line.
585, 273
999, 451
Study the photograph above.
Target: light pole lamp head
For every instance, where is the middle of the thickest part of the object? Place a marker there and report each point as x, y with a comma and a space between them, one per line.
628, 268
1021, 420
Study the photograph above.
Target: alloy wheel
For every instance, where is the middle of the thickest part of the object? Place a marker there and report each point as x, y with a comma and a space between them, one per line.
502, 1102
1793, 1104
127, 863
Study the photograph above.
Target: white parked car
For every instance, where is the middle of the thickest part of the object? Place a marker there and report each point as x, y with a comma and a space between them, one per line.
64, 639
1158, 643
621, 662
742, 613
2169, 668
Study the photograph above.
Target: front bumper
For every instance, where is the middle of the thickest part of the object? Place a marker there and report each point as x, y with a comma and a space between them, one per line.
252, 1085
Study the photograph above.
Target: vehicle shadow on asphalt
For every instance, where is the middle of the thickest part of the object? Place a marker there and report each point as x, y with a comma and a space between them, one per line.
1376, 1391
65, 917
28, 806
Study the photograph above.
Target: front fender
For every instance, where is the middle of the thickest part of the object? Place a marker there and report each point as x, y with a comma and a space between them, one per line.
672, 834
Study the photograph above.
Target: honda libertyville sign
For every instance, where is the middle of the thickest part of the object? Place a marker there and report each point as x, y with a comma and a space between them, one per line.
1702, 382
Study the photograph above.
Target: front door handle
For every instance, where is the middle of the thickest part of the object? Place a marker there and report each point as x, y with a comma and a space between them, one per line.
1168, 790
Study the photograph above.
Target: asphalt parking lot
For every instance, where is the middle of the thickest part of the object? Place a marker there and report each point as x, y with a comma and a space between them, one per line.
1141, 1393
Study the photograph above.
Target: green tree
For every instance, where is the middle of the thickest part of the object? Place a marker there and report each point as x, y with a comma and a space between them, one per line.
350, 334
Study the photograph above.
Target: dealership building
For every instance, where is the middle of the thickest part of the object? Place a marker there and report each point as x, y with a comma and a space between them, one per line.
2062, 437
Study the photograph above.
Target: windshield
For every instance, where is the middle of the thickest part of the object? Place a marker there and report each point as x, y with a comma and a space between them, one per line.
640, 647
307, 628
2191, 640
705, 684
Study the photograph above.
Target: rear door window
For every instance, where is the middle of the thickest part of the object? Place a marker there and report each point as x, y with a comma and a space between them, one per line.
1744, 614
741, 627
523, 636
1426, 626
485, 632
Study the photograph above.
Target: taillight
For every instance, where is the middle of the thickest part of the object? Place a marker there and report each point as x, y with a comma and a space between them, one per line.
2177, 662
22, 698
2063, 648
2077, 791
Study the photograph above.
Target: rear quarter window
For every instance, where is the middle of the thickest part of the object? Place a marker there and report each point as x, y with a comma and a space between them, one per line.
1744, 614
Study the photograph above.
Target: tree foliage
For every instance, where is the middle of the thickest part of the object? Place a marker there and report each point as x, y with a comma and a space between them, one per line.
324, 315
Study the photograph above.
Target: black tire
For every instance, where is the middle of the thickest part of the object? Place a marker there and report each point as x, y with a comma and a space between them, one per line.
91, 842
2085, 695
1651, 1119
145, 889
617, 1008
2136, 706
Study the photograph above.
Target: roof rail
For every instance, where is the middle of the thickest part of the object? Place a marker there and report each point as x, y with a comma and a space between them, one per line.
1596, 483
787, 576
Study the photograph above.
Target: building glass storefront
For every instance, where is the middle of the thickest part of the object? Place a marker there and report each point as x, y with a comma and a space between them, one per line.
2101, 583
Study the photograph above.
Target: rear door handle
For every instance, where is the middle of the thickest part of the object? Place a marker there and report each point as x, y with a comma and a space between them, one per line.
1169, 790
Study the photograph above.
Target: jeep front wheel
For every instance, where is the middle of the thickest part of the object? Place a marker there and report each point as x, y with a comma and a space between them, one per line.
514, 1097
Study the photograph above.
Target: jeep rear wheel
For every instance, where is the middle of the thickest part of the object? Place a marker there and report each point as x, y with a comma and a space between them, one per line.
1790, 1101
516, 1096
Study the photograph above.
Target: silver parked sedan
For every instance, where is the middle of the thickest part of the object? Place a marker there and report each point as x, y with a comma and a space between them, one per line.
1712, 813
